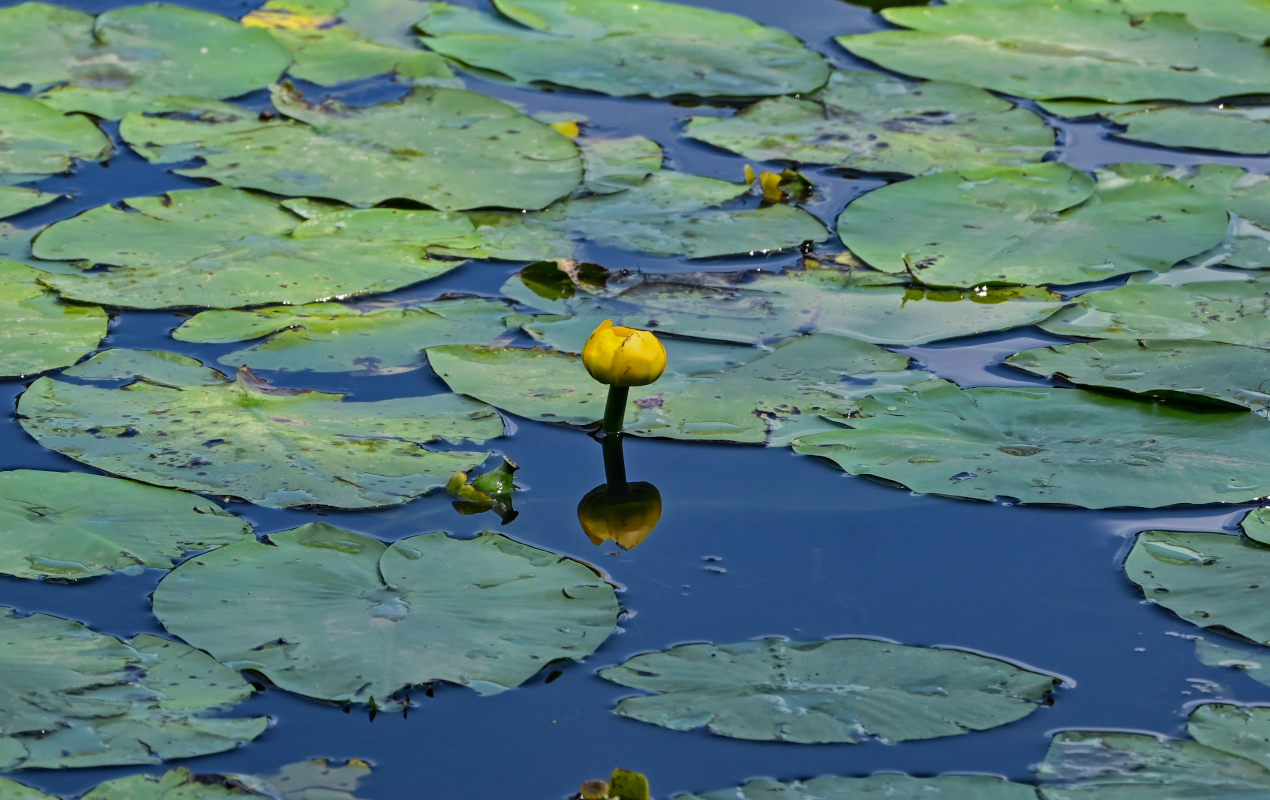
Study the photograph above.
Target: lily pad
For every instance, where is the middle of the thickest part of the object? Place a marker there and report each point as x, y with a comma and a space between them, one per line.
839, 690
778, 395
222, 248
133, 58
1069, 48
1048, 445
752, 307
69, 525
16, 199
36, 140
871, 122
1244, 17
1252, 660
1256, 525
378, 339
1234, 312
889, 785
74, 698
38, 332
1224, 759
1160, 368
446, 148
487, 612
176, 423
1227, 127
1208, 579
1041, 224
617, 48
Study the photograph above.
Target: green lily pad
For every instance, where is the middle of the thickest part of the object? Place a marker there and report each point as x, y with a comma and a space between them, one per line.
839, 690
1256, 525
16, 199
38, 332
1041, 224
619, 163
870, 122
669, 214
888, 785
1160, 368
74, 698
1251, 660
177, 423
1048, 445
36, 140
1224, 759
617, 48
1225, 126
69, 525
1069, 48
770, 399
376, 339
1208, 579
446, 148
1244, 17
133, 58
752, 307
222, 248
1233, 312
485, 612
12, 790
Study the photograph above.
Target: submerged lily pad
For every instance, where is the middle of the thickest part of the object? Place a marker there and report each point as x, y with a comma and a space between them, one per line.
888, 785
69, 525
221, 248
839, 690
38, 332
1208, 579
1234, 312
1041, 224
770, 398
176, 423
1047, 445
1224, 759
487, 612
752, 307
619, 48
446, 148
1160, 368
1225, 126
73, 698
36, 140
379, 339
133, 58
1068, 48
871, 122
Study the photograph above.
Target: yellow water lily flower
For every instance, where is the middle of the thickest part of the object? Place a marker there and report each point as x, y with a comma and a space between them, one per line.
620, 356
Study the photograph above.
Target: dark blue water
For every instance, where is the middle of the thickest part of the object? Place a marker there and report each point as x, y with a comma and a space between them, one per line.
753, 542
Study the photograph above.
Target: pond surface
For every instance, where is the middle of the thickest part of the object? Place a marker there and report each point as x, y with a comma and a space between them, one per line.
752, 542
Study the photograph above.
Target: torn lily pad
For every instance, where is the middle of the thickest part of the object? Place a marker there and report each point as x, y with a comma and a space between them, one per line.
487, 612
889, 785
1040, 224
1046, 445
618, 48
838, 690
1226, 126
38, 331
36, 140
872, 122
70, 525
73, 698
223, 248
446, 148
1071, 48
174, 422
375, 339
133, 58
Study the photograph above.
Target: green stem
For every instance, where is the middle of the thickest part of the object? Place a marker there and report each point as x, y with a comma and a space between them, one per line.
615, 409
614, 462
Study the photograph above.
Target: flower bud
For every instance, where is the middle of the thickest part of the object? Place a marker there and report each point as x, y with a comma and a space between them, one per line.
621, 356
623, 516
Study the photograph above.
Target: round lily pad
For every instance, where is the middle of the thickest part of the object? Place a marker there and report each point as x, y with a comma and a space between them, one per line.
619, 48
839, 690
174, 422
38, 331
446, 148
73, 698
487, 612
1256, 525
1041, 224
69, 525
1226, 126
872, 122
889, 785
36, 140
1047, 445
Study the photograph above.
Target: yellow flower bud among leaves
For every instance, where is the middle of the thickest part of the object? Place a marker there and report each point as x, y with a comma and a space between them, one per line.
620, 356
